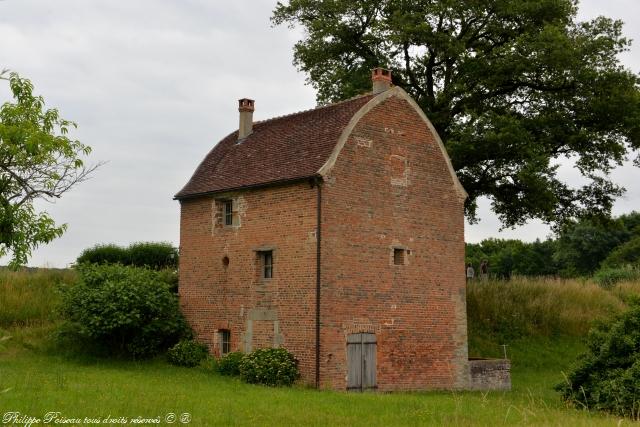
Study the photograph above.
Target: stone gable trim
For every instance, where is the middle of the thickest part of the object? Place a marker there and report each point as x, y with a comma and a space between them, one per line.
399, 93
357, 327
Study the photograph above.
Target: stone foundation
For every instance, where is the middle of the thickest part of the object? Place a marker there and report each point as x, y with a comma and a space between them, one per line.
490, 374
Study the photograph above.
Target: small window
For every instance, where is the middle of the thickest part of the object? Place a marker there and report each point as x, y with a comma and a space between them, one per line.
225, 341
227, 211
267, 264
398, 256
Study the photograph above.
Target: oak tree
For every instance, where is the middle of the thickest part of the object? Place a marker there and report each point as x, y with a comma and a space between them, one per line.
513, 87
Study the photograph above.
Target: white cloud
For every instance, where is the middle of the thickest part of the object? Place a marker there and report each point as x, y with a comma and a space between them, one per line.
153, 85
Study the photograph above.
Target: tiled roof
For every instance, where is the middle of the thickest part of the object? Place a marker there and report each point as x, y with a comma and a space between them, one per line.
280, 149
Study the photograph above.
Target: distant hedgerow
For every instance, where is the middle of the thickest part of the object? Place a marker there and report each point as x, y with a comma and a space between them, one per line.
155, 255
104, 254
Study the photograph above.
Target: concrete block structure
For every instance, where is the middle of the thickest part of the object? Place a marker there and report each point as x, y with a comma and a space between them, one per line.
490, 374
338, 234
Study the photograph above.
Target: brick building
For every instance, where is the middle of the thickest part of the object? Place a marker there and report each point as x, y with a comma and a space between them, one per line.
336, 233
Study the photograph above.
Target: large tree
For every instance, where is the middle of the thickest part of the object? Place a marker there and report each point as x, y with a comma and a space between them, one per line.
37, 161
512, 86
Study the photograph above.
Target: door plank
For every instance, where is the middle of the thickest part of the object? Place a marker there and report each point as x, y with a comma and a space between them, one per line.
354, 363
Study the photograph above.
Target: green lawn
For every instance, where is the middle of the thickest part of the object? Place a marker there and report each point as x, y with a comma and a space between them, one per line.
36, 377
34, 381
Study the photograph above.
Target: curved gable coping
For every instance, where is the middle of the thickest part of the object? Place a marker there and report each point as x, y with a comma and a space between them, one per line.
399, 93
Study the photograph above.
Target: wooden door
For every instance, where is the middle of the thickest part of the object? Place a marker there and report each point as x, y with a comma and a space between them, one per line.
361, 361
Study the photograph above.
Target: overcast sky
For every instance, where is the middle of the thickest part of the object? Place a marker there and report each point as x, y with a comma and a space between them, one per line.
154, 84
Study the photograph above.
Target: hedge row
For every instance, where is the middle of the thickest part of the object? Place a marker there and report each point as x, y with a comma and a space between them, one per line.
155, 255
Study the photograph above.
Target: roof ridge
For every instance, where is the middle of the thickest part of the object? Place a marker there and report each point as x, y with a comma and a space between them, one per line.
333, 104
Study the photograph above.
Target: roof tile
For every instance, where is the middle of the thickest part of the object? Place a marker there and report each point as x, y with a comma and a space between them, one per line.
280, 149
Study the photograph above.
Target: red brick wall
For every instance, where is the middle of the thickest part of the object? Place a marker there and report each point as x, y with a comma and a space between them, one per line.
389, 187
214, 297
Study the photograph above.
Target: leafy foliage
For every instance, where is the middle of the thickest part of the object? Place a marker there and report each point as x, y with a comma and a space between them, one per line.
607, 376
609, 277
229, 364
580, 249
513, 257
510, 86
104, 254
269, 366
583, 245
187, 353
37, 161
156, 255
123, 310
625, 254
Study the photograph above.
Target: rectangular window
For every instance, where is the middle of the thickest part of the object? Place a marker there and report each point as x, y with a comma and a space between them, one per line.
225, 341
267, 264
227, 211
398, 256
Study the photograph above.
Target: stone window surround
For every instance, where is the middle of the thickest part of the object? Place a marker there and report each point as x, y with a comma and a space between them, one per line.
260, 250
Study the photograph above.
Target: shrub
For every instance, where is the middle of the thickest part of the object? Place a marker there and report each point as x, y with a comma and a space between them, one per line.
104, 254
123, 310
188, 353
155, 255
230, 363
625, 254
269, 366
608, 277
170, 277
607, 376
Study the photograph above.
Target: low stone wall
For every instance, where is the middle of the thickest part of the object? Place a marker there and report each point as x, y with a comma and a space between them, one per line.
490, 374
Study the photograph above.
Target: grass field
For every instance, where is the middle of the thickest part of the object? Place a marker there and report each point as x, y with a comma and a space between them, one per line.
37, 377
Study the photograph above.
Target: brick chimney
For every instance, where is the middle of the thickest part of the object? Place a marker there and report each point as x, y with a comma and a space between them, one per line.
245, 107
381, 79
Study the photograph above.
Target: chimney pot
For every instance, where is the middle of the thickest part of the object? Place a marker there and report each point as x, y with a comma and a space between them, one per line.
245, 107
381, 79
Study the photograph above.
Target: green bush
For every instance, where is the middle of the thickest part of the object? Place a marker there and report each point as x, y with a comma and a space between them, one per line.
170, 277
155, 255
188, 353
625, 254
609, 277
508, 258
269, 366
104, 254
123, 310
607, 376
230, 363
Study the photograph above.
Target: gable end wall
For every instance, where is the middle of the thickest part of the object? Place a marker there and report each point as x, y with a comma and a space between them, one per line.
391, 187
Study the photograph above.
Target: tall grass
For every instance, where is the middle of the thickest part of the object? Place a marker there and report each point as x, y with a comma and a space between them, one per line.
500, 311
31, 297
